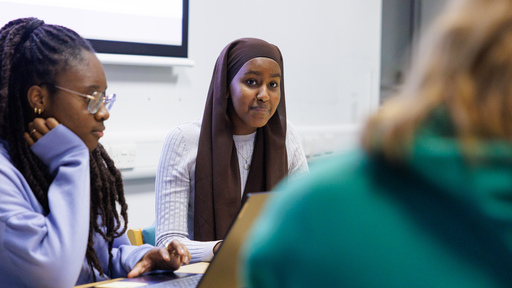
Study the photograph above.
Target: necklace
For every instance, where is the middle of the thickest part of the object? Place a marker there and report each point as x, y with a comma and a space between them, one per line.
247, 165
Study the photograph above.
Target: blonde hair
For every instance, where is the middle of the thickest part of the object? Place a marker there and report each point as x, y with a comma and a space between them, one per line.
464, 65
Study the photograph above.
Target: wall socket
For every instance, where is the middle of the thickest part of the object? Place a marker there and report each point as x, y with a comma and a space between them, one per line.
123, 155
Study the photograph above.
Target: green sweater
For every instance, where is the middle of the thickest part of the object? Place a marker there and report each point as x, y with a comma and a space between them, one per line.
357, 221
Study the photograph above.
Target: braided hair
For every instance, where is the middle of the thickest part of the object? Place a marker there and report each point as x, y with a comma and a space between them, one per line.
33, 52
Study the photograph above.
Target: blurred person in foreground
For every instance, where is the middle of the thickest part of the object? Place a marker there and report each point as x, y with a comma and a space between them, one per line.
427, 201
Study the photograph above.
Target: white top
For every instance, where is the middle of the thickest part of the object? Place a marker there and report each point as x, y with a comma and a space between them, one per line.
175, 183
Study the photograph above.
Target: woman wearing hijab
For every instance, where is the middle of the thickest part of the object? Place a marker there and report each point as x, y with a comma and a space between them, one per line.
242, 145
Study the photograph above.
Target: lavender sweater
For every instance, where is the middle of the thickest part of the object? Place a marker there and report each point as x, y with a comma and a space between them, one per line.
38, 250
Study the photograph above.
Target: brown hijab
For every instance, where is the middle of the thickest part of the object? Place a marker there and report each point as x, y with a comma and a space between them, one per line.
217, 191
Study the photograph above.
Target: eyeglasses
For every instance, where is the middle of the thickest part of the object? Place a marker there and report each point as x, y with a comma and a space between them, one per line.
95, 99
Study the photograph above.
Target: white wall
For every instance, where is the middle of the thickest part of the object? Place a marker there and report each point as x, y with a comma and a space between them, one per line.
331, 51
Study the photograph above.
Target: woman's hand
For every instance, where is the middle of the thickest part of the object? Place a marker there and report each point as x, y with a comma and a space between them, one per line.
38, 128
216, 247
169, 258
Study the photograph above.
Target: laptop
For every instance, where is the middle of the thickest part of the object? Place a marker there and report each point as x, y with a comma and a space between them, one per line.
223, 270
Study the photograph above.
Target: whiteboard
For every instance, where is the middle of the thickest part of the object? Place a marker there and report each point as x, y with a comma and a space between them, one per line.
150, 28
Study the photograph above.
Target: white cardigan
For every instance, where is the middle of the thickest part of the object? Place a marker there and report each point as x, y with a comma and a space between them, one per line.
175, 183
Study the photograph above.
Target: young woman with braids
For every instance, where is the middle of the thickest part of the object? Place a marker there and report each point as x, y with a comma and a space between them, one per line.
60, 224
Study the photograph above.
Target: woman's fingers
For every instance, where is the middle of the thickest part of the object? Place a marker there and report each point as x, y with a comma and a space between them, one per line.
139, 269
179, 250
51, 123
38, 128
29, 140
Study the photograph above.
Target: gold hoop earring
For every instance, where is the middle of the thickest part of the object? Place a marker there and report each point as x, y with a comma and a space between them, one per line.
38, 111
